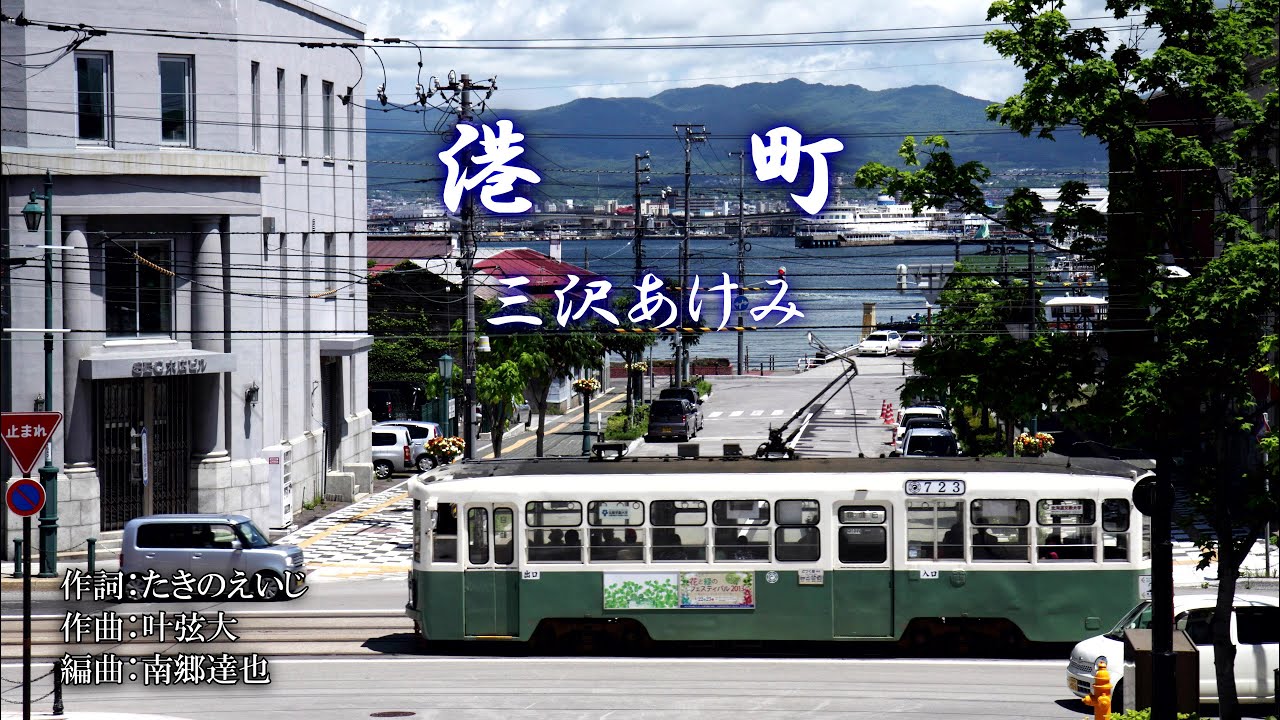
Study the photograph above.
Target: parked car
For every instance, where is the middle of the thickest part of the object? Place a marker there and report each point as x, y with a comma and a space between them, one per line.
207, 545
913, 412
880, 342
921, 421
672, 418
1255, 631
930, 442
392, 450
911, 342
420, 431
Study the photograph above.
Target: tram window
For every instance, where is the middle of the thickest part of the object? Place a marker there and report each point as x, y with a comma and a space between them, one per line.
417, 529
797, 512
478, 536
1065, 512
617, 545
444, 533
553, 545
678, 512
615, 512
553, 513
935, 530
1000, 512
797, 544
742, 544
680, 544
863, 545
504, 536
740, 512
862, 514
1115, 529
1066, 543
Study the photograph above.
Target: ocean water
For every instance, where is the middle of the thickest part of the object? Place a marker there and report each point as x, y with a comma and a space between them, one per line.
828, 285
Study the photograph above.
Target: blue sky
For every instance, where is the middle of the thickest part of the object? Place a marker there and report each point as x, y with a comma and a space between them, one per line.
530, 78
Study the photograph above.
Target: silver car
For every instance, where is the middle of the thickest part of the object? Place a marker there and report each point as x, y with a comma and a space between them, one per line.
203, 544
420, 432
392, 450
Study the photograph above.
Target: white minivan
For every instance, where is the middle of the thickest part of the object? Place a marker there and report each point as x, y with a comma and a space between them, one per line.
1255, 631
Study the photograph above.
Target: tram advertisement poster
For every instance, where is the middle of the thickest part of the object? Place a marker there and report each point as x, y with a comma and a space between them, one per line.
672, 591
640, 591
717, 590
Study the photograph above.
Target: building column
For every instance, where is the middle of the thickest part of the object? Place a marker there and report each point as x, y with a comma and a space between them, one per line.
79, 493
208, 322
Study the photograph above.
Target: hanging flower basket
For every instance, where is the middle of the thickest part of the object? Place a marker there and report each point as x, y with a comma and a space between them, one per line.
640, 366
445, 449
1036, 445
586, 386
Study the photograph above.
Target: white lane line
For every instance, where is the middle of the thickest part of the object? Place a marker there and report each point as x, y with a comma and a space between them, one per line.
715, 414
757, 413
775, 413
735, 413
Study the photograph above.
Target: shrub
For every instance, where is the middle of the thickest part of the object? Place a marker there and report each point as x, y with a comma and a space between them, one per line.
620, 427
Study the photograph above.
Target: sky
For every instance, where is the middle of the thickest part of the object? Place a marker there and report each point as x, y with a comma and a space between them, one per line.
536, 78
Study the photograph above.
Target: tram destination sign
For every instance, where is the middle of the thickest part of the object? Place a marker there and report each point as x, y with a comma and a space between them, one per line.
935, 487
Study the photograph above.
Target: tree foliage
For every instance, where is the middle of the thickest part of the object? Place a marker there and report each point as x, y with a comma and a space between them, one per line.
1187, 108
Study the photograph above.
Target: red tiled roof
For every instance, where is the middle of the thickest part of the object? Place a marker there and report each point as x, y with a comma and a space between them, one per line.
545, 274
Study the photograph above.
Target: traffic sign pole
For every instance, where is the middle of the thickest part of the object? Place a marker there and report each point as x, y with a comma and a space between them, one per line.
26, 617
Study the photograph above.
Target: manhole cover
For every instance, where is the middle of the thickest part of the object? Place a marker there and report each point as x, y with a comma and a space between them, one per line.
393, 713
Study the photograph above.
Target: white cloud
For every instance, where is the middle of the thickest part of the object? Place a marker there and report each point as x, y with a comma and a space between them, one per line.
540, 78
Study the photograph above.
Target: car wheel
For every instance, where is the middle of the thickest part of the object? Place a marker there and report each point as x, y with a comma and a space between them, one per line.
382, 469
268, 586
425, 463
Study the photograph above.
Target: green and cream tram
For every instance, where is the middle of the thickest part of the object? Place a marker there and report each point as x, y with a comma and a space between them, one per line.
802, 550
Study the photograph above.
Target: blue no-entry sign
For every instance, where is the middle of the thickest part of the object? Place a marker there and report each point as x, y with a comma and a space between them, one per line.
25, 497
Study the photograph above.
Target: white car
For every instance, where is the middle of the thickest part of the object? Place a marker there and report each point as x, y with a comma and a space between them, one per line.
1255, 630
914, 412
911, 342
880, 342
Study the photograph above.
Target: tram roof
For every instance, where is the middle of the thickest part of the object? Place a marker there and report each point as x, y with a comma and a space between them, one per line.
670, 474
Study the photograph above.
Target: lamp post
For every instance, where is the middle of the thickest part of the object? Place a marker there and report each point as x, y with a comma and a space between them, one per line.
445, 365
32, 214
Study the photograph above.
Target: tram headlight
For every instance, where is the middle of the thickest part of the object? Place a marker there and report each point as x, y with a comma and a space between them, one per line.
1102, 660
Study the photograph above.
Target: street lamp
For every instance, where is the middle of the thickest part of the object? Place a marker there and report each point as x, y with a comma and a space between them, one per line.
32, 214
445, 365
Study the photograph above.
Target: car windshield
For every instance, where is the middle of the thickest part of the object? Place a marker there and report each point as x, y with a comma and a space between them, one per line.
667, 410
913, 336
251, 536
877, 337
1138, 618
930, 445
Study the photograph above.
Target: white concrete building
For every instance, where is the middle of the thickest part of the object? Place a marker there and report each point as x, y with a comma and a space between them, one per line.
210, 191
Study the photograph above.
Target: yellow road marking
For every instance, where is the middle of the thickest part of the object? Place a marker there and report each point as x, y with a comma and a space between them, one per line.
317, 538
525, 441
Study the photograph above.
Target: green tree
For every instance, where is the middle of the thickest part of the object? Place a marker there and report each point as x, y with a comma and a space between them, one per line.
499, 386
1187, 109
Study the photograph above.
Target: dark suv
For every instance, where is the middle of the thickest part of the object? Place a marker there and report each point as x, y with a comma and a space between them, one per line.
690, 396
673, 419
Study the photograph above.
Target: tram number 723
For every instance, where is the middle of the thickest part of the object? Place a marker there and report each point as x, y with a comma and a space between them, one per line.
935, 487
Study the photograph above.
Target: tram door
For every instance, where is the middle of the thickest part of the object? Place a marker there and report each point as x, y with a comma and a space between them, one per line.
862, 583
491, 578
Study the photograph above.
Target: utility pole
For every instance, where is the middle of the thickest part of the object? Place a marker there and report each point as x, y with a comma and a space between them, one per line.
742, 246
692, 134
462, 88
641, 166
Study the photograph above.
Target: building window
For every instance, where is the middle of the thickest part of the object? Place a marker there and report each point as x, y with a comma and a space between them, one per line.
139, 289
330, 263
255, 87
326, 113
280, 108
351, 124
93, 98
304, 122
177, 100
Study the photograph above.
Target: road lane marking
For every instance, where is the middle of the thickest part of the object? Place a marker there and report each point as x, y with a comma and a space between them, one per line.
735, 413
715, 414
347, 521
757, 413
775, 413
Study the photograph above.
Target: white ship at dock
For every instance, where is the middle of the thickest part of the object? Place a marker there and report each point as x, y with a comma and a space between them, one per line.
887, 222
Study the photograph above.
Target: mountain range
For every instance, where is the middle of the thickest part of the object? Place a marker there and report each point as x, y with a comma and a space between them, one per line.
587, 146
